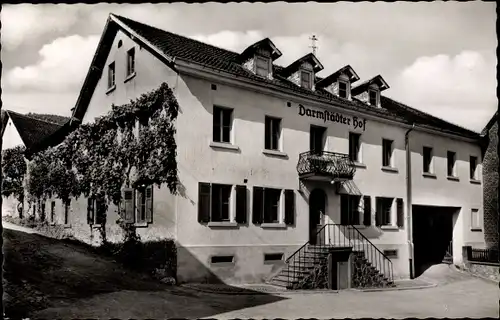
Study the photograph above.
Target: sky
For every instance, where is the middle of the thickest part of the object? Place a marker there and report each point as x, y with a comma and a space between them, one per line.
438, 57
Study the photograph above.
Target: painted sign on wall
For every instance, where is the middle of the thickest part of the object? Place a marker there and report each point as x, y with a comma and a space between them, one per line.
353, 121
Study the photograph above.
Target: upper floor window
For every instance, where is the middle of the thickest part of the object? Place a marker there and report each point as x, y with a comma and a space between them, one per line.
427, 155
373, 97
305, 79
111, 74
262, 66
317, 139
387, 153
451, 156
130, 61
354, 146
222, 123
473, 168
343, 89
272, 133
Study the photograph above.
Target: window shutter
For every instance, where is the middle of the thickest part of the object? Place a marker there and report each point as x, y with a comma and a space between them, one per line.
401, 213
344, 209
204, 197
90, 210
241, 204
378, 214
149, 204
258, 205
289, 207
367, 214
128, 205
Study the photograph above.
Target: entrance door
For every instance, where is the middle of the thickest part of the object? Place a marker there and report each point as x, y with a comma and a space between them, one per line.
317, 210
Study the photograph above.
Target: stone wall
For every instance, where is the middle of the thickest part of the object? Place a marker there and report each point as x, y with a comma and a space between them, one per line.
485, 270
490, 189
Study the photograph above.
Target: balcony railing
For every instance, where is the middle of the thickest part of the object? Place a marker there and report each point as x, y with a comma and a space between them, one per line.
326, 164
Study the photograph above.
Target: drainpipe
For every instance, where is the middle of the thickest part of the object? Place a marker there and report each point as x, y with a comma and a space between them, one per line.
409, 202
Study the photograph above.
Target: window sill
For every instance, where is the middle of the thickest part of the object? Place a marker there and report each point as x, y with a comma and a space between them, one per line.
273, 226
429, 175
224, 145
111, 89
225, 224
390, 169
360, 165
389, 228
474, 181
140, 224
67, 226
275, 153
452, 178
129, 77
476, 229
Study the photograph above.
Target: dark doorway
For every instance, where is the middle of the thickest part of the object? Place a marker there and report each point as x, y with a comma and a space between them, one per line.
432, 235
317, 208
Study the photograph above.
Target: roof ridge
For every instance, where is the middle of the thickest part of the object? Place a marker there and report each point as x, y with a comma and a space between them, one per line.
176, 34
429, 115
33, 118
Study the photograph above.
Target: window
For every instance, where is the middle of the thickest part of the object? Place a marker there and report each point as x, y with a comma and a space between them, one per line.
96, 210
475, 220
262, 67
451, 163
305, 79
272, 133
111, 75
473, 168
137, 205
42, 213
130, 61
317, 139
214, 203
273, 257
266, 206
384, 210
349, 209
222, 124
52, 211
66, 212
222, 259
354, 146
387, 153
343, 89
427, 160
391, 253
373, 97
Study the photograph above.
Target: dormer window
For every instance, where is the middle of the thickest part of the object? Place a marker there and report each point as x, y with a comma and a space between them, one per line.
305, 79
373, 97
343, 89
262, 66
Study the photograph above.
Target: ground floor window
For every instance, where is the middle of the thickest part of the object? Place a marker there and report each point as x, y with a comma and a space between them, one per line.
52, 210
350, 209
96, 210
384, 211
215, 203
268, 207
137, 204
66, 212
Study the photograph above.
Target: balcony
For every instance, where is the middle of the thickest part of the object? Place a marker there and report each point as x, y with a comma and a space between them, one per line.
325, 166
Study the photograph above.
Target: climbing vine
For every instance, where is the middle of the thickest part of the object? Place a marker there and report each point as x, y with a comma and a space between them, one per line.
13, 172
133, 143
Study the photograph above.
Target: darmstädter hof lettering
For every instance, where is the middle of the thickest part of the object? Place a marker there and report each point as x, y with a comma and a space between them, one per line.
356, 122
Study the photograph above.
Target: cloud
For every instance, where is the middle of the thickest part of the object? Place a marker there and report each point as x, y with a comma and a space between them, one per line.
25, 22
62, 66
230, 40
460, 88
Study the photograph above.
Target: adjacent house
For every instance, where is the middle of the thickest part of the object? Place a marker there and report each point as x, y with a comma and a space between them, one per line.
274, 159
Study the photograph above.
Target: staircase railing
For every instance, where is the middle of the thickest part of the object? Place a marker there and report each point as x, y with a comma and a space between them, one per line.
335, 235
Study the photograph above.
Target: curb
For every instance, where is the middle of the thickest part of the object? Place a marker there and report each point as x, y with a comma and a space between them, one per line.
256, 292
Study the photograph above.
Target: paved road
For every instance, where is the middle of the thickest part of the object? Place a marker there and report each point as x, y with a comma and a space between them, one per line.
457, 295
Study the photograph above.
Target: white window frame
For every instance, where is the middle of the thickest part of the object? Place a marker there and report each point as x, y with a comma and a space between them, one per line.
475, 177
475, 224
310, 79
264, 60
392, 211
454, 165
279, 147
231, 122
391, 158
348, 89
377, 97
111, 75
131, 66
431, 162
360, 153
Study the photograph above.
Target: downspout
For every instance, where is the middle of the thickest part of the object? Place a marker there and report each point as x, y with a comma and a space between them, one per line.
409, 202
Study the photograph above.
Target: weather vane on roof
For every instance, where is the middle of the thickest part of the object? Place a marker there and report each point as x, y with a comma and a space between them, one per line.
313, 46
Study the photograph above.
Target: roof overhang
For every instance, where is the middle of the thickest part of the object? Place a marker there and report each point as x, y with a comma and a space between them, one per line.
347, 70
294, 66
377, 80
264, 44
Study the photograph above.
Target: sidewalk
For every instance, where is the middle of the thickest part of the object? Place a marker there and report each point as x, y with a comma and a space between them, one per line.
12, 226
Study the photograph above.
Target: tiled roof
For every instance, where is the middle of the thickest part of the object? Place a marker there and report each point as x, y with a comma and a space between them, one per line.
194, 51
30, 129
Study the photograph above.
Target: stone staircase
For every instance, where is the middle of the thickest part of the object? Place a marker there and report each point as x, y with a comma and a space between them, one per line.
309, 270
